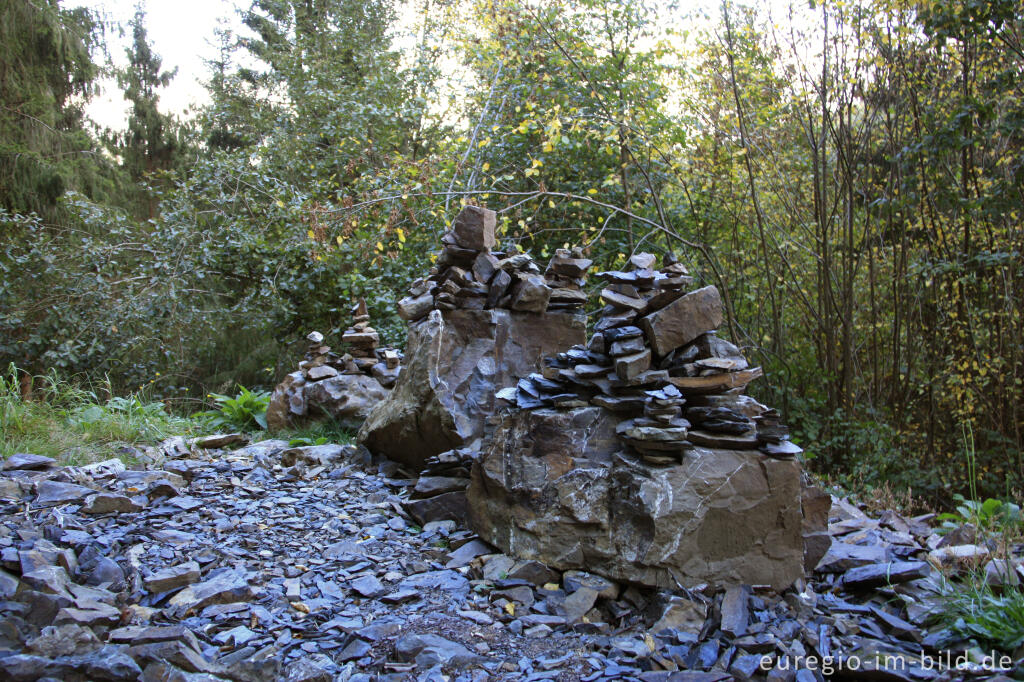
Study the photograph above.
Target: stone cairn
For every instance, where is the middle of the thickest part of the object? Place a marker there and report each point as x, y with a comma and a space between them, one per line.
362, 357
344, 387
470, 276
656, 361
363, 354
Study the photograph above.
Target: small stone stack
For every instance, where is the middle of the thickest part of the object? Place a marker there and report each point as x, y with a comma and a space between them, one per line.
363, 355
342, 387
566, 275
469, 276
656, 361
314, 365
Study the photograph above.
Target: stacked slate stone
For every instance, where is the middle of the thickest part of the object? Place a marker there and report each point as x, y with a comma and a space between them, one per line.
655, 360
566, 275
362, 357
470, 276
440, 491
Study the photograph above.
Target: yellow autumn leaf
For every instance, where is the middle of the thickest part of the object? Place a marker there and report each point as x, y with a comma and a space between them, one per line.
338, 239
401, 235
300, 607
510, 608
310, 234
591, 191
280, 204
649, 641
380, 246
486, 167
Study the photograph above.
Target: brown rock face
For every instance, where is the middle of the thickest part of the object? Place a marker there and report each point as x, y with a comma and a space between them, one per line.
816, 505
279, 410
455, 362
347, 398
683, 320
474, 228
553, 486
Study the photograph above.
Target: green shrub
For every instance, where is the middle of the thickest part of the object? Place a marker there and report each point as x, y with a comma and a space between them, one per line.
303, 441
976, 611
246, 410
318, 433
990, 515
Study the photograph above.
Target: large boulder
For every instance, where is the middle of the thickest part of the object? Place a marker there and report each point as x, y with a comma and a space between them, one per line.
455, 361
287, 402
555, 486
345, 399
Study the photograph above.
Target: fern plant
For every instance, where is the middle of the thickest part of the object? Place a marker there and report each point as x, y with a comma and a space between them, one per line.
243, 412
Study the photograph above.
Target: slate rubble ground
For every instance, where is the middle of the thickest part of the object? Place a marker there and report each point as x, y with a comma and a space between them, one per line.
276, 563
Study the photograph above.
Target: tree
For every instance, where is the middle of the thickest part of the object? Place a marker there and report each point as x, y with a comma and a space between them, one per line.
150, 145
46, 75
574, 103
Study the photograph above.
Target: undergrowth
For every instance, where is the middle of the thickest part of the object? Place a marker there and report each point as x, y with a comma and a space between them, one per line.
986, 603
246, 411
317, 433
71, 423
993, 617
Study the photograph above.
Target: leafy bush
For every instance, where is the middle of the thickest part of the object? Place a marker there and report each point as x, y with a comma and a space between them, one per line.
244, 411
303, 441
318, 433
991, 515
976, 611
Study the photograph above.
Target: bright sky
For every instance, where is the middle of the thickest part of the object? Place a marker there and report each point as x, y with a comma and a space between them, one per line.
181, 32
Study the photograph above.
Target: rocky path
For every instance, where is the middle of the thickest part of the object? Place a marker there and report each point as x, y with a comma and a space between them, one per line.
267, 562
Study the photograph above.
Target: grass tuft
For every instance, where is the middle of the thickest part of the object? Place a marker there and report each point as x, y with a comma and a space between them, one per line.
72, 424
318, 433
975, 610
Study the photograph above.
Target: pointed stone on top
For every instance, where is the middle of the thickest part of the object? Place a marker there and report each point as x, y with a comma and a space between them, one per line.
474, 228
642, 261
315, 337
359, 309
